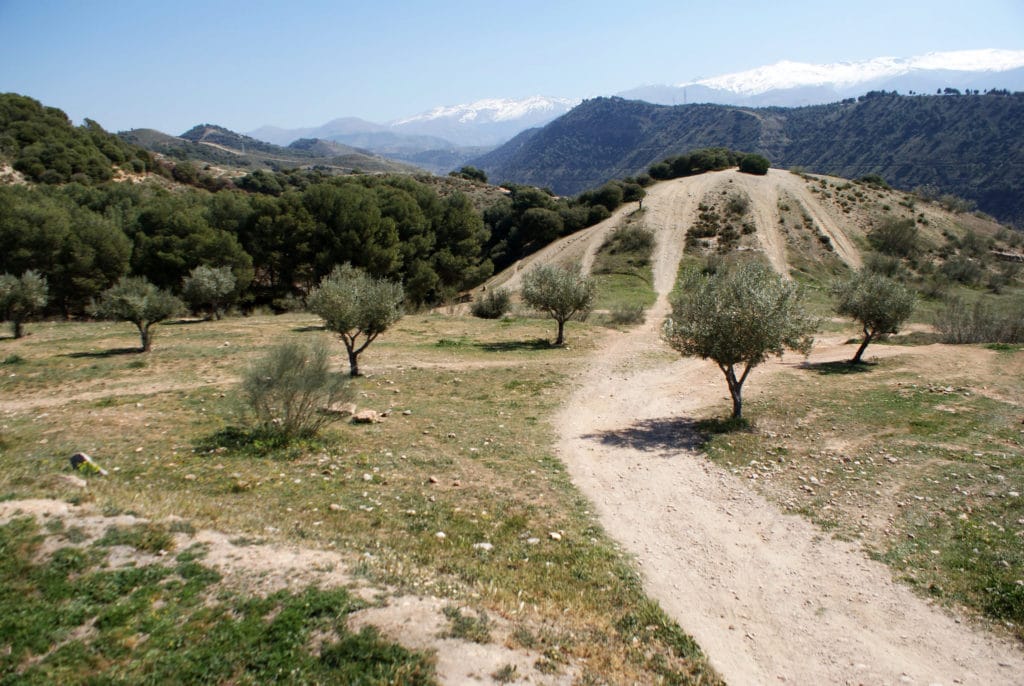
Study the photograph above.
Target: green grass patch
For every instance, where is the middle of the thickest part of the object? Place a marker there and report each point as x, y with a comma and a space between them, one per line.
66, 619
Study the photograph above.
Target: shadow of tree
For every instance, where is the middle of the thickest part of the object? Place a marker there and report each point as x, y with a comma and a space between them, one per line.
106, 353
311, 327
839, 367
654, 435
512, 346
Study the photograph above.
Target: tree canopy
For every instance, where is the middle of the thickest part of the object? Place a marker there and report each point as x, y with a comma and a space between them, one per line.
560, 293
136, 300
738, 317
880, 304
21, 298
358, 307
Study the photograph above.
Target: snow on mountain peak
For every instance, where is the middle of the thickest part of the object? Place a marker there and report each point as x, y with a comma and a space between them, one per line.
494, 110
786, 74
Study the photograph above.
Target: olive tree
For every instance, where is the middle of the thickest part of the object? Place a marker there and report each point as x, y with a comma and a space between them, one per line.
561, 293
21, 298
738, 317
356, 306
210, 288
881, 305
134, 299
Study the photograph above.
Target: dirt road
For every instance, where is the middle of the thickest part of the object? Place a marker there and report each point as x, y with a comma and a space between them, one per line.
768, 596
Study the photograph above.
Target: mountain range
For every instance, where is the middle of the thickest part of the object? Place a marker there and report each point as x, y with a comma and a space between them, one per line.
968, 145
794, 84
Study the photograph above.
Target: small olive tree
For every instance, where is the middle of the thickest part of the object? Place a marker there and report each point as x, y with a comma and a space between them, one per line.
738, 317
288, 390
209, 288
134, 299
22, 298
561, 293
881, 305
358, 307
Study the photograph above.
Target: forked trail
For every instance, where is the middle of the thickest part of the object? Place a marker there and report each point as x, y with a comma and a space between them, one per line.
769, 598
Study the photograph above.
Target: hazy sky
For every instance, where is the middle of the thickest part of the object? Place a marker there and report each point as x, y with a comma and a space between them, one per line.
173, 64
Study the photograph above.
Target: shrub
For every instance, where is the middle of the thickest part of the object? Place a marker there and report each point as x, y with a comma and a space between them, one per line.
631, 239
494, 305
288, 389
962, 269
960, 323
754, 164
627, 315
896, 237
884, 265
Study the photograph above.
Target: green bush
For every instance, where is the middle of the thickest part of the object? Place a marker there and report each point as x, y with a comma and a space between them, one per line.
494, 305
288, 390
896, 237
754, 164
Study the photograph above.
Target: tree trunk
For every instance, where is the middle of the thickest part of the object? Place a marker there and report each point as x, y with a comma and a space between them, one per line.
863, 345
737, 401
353, 362
147, 339
19, 331
561, 332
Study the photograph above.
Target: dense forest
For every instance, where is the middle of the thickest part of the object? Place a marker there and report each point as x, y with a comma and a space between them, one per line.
970, 145
278, 232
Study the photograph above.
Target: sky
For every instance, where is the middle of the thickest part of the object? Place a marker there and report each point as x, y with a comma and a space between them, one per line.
170, 65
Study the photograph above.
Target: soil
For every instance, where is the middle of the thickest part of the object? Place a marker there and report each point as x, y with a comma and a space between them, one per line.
768, 596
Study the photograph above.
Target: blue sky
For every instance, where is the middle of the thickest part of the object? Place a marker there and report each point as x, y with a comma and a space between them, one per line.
170, 65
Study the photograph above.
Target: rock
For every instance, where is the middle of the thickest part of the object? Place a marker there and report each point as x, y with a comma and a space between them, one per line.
407, 412
432, 479
555, 536
440, 535
533, 540
486, 547
366, 417
84, 463
367, 477
335, 507
341, 409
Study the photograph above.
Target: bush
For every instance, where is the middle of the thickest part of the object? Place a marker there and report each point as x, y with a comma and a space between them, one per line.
627, 315
896, 237
962, 269
288, 390
884, 265
754, 164
494, 305
960, 323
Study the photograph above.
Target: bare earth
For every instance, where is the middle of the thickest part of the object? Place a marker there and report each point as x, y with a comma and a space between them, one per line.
769, 598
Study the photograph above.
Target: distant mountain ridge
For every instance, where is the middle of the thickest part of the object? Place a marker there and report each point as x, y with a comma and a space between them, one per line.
218, 145
967, 145
438, 140
788, 83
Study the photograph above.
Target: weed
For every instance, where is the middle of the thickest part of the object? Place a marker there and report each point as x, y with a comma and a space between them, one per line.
476, 629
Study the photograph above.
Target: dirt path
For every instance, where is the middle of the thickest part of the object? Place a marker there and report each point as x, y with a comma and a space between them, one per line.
797, 187
767, 595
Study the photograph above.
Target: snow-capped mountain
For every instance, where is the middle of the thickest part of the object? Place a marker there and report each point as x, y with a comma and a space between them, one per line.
800, 83
485, 122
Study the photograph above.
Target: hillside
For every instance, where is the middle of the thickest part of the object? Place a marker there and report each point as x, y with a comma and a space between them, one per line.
967, 145
216, 145
44, 146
